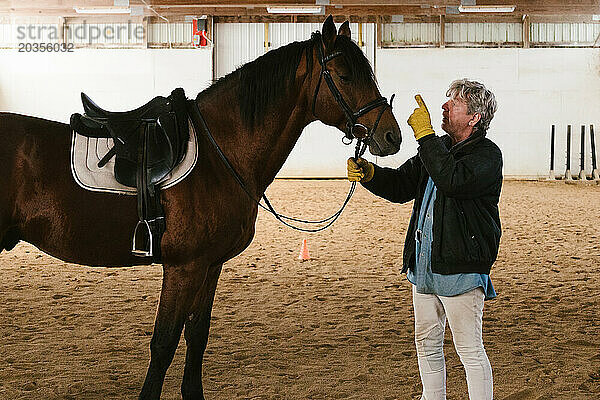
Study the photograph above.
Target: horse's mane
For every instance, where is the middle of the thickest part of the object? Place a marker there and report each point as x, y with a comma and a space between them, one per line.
268, 79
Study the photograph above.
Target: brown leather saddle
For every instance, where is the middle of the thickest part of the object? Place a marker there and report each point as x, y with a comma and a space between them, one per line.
148, 143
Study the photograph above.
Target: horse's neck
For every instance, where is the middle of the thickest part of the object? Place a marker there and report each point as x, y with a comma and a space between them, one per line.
256, 154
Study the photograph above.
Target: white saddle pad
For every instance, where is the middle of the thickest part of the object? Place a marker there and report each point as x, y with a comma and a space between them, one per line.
87, 152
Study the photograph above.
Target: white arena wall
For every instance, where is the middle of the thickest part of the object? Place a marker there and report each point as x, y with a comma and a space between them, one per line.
48, 85
535, 89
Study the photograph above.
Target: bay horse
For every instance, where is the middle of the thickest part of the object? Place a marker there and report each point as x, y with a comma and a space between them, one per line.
256, 114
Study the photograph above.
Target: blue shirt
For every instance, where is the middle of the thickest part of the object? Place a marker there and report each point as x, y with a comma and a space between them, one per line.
425, 280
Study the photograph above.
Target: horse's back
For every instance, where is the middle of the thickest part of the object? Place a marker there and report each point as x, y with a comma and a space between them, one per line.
20, 135
30, 147
41, 203
19, 125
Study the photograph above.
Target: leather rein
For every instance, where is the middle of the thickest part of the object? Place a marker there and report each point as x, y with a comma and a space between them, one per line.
354, 130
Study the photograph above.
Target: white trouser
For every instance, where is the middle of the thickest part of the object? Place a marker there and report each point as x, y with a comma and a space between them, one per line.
464, 313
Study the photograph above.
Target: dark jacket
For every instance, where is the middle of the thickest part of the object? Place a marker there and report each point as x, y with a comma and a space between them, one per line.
466, 222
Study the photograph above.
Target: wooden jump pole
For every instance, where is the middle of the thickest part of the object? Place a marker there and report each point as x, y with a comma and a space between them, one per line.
552, 137
582, 176
595, 174
568, 171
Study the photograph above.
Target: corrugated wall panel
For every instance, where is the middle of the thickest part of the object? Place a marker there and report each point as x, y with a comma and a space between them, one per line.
281, 34
370, 41
236, 44
179, 33
158, 33
410, 33
574, 34
483, 33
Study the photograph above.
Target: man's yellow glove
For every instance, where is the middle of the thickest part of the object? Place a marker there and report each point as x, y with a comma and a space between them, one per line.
420, 121
360, 170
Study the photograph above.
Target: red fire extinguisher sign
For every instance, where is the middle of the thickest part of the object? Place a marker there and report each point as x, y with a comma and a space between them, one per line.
199, 32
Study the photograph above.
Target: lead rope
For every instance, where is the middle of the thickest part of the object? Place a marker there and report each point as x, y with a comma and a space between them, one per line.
359, 150
269, 208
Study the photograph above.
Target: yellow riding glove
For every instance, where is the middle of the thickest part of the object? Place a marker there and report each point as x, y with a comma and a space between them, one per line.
360, 170
420, 121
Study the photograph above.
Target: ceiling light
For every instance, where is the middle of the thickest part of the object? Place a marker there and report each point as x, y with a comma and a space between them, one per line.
112, 10
486, 9
296, 10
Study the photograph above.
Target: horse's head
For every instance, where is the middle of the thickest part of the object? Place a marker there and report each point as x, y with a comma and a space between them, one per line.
346, 94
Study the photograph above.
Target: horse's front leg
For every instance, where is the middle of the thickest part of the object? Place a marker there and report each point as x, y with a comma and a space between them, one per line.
196, 335
176, 297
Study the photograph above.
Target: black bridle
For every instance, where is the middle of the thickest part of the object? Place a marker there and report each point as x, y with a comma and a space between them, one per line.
354, 130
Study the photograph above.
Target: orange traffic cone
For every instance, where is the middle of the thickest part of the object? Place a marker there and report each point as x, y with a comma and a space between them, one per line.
303, 256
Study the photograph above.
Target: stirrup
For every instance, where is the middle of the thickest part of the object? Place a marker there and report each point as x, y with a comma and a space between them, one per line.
141, 252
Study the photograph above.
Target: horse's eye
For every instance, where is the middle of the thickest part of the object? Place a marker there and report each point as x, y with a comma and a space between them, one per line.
345, 78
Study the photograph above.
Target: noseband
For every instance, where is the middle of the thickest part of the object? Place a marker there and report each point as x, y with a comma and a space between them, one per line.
354, 130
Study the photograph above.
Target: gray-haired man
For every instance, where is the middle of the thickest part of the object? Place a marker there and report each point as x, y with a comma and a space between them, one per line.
454, 232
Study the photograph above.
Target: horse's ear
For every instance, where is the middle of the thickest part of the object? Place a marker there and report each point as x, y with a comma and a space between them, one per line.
328, 32
344, 29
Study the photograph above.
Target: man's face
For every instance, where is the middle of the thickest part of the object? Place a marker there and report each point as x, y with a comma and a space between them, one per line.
456, 118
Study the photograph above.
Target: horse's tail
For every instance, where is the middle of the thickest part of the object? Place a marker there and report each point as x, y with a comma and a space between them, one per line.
8, 239
9, 123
